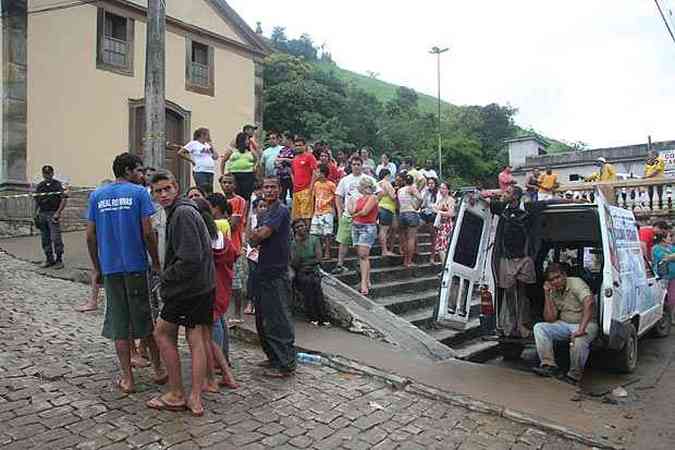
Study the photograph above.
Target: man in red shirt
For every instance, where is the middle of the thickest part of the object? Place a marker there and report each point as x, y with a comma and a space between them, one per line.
506, 181
647, 235
303, 166
237, 226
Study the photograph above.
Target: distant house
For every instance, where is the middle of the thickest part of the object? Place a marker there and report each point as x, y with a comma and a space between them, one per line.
73, 83
526, 153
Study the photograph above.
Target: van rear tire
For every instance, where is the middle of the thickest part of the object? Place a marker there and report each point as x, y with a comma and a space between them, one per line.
665, 324
628, 355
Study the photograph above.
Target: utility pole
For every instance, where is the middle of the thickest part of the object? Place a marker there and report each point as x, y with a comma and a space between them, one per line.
154, 143
438, 51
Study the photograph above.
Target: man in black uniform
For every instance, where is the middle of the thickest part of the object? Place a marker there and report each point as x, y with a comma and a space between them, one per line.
515, 268
50, 201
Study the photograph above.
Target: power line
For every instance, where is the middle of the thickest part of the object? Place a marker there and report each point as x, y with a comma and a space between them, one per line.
665, 21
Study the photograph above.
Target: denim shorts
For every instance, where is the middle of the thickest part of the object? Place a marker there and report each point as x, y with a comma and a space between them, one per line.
386, 217
409, 219
364, 234
428, 217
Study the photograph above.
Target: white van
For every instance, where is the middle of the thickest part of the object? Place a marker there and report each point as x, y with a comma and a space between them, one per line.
602, 245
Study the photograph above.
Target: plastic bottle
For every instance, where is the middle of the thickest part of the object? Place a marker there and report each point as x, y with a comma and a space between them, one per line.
307, 358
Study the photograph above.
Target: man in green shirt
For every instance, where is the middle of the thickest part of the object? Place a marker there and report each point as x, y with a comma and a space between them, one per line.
305, 256
568, 315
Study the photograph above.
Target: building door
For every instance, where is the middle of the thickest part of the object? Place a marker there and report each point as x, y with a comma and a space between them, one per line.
177, 132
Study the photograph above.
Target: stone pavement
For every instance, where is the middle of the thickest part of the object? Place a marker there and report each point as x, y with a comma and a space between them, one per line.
56, 391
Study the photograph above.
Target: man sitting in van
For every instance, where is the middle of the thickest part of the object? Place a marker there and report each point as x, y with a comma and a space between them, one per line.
568, 316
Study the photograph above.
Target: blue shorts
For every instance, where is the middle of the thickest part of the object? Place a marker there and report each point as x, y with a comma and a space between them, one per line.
428, 217
409, 219
364, 234
386, 217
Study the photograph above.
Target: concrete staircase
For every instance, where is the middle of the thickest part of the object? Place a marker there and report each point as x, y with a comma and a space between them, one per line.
412, 295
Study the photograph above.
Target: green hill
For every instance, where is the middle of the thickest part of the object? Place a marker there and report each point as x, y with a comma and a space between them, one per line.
384, 91
381, 89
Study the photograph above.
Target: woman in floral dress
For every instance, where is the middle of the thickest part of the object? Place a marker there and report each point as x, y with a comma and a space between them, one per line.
445, 212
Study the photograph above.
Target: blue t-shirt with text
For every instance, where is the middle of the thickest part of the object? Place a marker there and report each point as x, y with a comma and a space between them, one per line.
118, 210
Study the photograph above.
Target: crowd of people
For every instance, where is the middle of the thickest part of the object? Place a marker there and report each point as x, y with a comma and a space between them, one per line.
543, 184
168, 257
341, 198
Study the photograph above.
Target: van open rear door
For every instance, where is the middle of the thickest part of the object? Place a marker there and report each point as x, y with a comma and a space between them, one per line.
467, 264
626, 291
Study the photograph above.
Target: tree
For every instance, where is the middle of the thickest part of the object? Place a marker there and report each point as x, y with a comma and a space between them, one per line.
278, 37
314, 100
303, 48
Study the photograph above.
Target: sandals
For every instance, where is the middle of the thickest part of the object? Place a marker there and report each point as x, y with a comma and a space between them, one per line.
228, 384
195, 412
159, 404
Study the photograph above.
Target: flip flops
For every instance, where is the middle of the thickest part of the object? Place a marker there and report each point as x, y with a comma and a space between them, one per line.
160, 404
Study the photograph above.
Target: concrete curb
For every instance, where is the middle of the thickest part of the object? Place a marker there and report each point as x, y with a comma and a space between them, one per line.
397, 382
75, 274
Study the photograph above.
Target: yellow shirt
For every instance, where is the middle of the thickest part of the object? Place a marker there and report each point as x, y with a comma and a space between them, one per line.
656, 169
223, 226
547, 182
607, 173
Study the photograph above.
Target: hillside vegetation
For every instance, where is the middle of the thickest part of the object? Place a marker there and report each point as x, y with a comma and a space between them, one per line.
382, 90
306, 93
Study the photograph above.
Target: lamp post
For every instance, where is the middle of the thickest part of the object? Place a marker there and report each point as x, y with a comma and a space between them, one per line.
437, 51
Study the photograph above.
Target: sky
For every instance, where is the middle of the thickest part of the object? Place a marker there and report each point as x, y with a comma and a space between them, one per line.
599, 71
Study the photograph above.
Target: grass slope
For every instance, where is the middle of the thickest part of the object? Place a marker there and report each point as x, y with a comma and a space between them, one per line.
384, 91
381, 89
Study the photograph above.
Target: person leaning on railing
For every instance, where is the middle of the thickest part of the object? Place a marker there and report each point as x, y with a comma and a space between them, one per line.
607, 171
655, 168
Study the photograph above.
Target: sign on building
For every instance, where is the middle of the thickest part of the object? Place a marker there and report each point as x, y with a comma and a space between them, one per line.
669, 157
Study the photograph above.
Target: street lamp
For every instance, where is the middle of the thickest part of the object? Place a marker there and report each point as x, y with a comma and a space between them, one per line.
437, 51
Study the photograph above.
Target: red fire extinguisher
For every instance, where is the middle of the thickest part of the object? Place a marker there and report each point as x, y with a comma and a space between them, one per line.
488, 321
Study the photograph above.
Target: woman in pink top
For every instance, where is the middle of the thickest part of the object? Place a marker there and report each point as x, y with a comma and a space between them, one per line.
364, 228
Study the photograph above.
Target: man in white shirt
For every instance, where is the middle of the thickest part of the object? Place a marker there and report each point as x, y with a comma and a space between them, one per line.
386, 164
269, 156
347, 192
428, 171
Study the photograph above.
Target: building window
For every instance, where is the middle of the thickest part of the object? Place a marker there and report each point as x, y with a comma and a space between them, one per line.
199, 70
115, 46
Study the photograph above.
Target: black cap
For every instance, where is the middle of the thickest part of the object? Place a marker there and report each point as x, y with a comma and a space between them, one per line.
246, 127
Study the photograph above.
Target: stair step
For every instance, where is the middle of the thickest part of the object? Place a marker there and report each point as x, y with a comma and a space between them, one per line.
477, 350
423, 247
455, 333
375, 261
384, 274
402, 303
421, 318
419, 284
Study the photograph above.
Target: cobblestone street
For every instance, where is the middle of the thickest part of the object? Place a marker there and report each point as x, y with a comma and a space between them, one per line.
56, 391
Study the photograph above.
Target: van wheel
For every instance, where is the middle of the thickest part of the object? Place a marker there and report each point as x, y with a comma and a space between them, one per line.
511, 352
628, 355
664, 325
